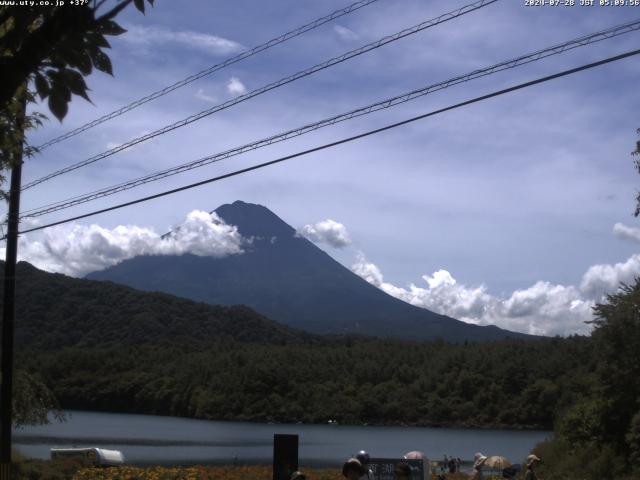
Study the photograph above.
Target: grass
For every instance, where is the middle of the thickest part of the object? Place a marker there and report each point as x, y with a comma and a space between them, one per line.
30, 469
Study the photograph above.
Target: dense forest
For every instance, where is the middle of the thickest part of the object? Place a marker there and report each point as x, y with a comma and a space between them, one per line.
512, 383
104, 346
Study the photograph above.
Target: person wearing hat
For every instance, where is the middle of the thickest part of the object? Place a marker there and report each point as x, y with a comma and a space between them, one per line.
298, 475
353, 469
364, 458
478, 462
532, 461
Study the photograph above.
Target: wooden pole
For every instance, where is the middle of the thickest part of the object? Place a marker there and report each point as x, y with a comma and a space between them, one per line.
8, 308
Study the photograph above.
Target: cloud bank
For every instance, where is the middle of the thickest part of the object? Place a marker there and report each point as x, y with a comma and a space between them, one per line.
542, 309
327, 231
78, 249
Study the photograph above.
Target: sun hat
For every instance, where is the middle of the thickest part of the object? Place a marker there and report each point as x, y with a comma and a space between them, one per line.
353, 464
414, 455
532, 458
478, 460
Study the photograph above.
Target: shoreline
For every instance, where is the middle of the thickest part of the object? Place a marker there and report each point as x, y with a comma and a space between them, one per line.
496, 426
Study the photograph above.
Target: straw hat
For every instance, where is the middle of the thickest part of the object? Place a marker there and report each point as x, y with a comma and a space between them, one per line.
353, 464
531, 459
478, 460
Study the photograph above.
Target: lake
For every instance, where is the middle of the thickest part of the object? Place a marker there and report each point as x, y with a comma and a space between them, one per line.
149, 439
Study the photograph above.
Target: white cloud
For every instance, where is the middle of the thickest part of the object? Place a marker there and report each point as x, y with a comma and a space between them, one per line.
151, 36
345, 34
200, 95
606, 278
327, 231
542, 309
628, 233
236, 87
79, 249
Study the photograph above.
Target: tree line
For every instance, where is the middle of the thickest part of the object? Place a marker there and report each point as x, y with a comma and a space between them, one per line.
510, 383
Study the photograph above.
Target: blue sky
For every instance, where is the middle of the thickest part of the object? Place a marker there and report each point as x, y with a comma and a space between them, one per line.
502, 212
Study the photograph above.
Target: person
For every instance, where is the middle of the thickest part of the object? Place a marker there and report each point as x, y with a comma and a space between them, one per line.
402, 471
353, 469
532, 461
364, 458
298, 475
478, 462
452, 465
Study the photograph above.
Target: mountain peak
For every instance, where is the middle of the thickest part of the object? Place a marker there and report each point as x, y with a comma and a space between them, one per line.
290, 280
254, 220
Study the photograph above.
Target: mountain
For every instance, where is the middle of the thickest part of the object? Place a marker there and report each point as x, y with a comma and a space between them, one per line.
54, 311
290, 280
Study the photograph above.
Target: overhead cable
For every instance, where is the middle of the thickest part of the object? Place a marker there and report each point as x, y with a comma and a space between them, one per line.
208, 71
380, 105
283, 81
339, 142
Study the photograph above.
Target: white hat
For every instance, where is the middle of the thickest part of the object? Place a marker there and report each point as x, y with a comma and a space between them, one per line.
479, 460
532, 458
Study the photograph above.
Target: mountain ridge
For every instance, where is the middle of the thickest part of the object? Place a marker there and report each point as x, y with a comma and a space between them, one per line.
291, 280
54, 311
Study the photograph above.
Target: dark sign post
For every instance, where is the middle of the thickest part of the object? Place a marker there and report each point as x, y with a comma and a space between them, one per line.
285, 456
383, 468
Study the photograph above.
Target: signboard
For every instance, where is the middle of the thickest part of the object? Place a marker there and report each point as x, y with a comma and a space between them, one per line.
383, 468
285, 456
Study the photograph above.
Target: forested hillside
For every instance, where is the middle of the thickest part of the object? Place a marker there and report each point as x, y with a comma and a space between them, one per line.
55, 311
511, 383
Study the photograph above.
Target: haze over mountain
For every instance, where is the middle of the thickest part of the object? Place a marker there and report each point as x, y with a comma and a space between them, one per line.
290, 280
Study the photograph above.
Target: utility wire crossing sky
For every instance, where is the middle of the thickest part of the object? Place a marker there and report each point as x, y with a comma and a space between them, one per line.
526, 200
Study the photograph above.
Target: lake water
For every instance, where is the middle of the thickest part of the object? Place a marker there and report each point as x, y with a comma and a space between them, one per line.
148, 439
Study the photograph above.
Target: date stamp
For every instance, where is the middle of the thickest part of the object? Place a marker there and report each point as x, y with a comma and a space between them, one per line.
582, 3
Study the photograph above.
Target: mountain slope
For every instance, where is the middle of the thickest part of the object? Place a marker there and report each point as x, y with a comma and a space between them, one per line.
292, 281
55, 311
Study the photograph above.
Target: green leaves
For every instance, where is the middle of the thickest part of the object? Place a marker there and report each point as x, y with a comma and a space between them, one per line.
109, 27
32, 400
42, 86
57, 84
58, 106
139, 5
76, 84
101, 61
79, 42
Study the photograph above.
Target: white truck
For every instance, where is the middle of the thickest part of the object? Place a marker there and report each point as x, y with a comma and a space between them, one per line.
90, 456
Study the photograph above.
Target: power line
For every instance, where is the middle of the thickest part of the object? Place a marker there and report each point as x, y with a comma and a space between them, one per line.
340, 142
208, 71
383, 104
283, 81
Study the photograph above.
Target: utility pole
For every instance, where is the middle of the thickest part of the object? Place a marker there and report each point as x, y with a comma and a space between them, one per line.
8, 302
